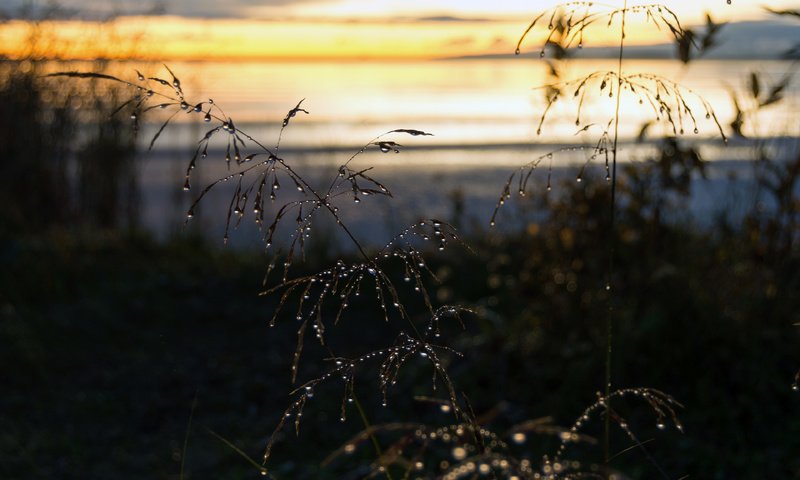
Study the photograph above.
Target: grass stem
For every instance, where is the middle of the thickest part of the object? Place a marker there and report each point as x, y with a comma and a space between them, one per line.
611, 248
368, 428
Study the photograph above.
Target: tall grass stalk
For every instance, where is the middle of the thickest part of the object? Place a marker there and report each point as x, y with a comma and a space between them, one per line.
611, 246
257, 173
579, 16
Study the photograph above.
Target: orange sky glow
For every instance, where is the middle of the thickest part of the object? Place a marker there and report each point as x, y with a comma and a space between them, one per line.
334, 35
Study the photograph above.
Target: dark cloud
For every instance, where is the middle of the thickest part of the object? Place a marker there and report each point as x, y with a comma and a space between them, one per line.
228, 8
101, 9
69, 9
460, 41
448, 18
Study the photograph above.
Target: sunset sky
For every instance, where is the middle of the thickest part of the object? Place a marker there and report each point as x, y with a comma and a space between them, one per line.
307, 29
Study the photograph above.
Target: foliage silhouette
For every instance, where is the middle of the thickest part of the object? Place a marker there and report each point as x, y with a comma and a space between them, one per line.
256, 170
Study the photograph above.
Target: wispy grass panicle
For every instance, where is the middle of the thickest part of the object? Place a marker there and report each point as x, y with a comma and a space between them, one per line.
271, 190
471, 449
667, 102
524, 174
389, 362
679, 109
258, 174
578, 17
344, 282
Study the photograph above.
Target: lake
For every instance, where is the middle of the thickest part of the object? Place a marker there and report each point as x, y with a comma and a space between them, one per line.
483, 114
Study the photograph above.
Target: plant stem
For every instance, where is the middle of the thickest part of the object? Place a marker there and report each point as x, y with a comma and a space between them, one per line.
320, 199
611, 248
188, 432
368, 427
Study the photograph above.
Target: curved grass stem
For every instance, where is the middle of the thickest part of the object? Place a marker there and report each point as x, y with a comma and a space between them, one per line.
368, 428
611, 247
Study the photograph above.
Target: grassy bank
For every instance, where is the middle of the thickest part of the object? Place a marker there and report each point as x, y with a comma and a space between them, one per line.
108, 340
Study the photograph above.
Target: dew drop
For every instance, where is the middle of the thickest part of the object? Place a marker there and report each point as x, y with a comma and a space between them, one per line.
516, 52
207, 118
459, 453
184, 105
660, 425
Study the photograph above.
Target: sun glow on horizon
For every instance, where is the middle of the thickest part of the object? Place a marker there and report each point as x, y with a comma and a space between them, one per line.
159, 38
373, 35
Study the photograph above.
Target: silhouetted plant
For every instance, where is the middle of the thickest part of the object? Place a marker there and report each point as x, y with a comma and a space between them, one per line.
257, 173
777, 167
65, 154
35, 134
668, 102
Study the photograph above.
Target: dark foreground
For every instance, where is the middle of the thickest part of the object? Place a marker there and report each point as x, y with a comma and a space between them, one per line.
107, 342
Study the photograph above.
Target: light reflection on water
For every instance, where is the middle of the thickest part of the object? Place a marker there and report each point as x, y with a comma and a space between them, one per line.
460, 101
483, 114
424, 183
